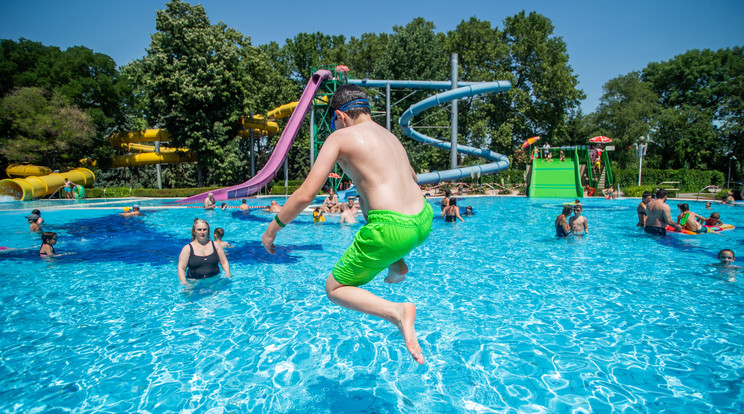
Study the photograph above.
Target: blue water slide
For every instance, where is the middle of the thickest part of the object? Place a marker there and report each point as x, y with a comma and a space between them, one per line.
465, 89
406, 84
498, 161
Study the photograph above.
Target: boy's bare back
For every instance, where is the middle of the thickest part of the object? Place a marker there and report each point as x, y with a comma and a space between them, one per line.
378, 165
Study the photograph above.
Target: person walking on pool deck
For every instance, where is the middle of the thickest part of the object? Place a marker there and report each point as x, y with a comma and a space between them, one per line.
69, 185
659, 215
398, 216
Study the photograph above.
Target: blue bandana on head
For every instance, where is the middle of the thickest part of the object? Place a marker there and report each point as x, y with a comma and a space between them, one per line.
357, 103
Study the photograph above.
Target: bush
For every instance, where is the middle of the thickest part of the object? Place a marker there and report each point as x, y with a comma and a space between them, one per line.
637, 191
689, 180
280, 190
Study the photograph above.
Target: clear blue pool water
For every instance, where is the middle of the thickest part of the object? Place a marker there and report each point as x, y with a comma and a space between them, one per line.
510, 318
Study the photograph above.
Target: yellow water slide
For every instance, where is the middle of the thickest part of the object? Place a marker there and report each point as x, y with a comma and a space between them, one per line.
25, 170
34, 187
41, 182
145, 154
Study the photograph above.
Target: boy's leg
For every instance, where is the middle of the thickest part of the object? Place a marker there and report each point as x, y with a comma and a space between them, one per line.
397, 272
402, 315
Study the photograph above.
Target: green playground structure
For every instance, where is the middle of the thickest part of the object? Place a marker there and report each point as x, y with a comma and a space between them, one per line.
573, 177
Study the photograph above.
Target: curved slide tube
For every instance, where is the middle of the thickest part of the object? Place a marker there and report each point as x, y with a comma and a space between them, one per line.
498, 161
34, 187
466, 89
26, 170
268, 172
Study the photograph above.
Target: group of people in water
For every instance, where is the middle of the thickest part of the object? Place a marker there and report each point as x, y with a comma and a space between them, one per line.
399, 218
450, 210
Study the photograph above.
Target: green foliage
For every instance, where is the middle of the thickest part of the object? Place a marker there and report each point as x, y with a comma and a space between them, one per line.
193, 83
689, 180
544, 88
628, 109
637, 191
691, 106
86, 79
41, 127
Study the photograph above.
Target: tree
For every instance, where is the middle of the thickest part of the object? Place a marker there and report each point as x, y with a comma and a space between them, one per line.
707, 89
544, 92
362, 53
480, 56
308, 50
42, 127
193, 82
416, 52
628, 109
88, 80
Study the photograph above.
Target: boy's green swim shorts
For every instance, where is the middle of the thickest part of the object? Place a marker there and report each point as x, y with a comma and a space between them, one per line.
387, 237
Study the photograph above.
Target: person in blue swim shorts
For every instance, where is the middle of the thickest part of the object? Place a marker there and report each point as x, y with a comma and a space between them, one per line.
398, 216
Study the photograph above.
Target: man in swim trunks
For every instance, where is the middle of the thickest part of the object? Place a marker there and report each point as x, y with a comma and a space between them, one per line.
398, 217
210, 203
641, 209
69, 185
658, 215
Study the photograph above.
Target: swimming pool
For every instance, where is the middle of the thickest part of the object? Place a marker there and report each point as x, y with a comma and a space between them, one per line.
510, 318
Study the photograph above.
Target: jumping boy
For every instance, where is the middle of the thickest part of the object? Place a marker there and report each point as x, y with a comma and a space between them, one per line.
398, 217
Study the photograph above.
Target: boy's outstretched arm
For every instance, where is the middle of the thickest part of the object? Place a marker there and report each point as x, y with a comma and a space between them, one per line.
304, 195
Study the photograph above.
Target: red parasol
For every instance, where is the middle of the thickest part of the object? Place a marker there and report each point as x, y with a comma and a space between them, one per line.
600, 139
333, 175
530, 141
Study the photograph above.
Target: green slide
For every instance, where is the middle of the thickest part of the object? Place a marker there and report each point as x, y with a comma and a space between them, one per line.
557, 179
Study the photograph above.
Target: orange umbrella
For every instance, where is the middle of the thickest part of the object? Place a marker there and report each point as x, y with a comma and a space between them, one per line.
530, 141
333, 175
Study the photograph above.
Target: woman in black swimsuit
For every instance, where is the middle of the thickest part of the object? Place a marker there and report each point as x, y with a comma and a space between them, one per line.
451, 213
200, 258
561, 223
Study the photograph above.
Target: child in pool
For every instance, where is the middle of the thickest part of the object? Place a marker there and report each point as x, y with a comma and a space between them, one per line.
579, 224
713, 220
318, 215
689, 220
219, 233
727, 258
48, 240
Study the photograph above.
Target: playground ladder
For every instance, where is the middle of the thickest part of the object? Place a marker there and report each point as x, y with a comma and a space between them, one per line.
602, 179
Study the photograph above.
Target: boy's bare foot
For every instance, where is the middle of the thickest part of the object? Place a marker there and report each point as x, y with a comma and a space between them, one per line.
408, 318
397, 272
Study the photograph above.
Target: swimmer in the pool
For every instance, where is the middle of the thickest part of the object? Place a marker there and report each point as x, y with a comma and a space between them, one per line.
578, 223
562, 229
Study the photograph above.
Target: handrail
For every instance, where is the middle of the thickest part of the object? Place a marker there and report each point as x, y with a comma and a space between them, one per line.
55, 192
715, 194
608, 170
590, 175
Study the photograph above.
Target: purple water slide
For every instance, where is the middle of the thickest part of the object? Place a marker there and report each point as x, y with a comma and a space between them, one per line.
268, 172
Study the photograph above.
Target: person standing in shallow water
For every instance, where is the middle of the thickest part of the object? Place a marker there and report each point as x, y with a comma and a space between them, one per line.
200, 258
561, 222
398, 217
658, 215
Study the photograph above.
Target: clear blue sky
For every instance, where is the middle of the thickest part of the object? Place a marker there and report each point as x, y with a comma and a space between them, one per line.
604, 38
